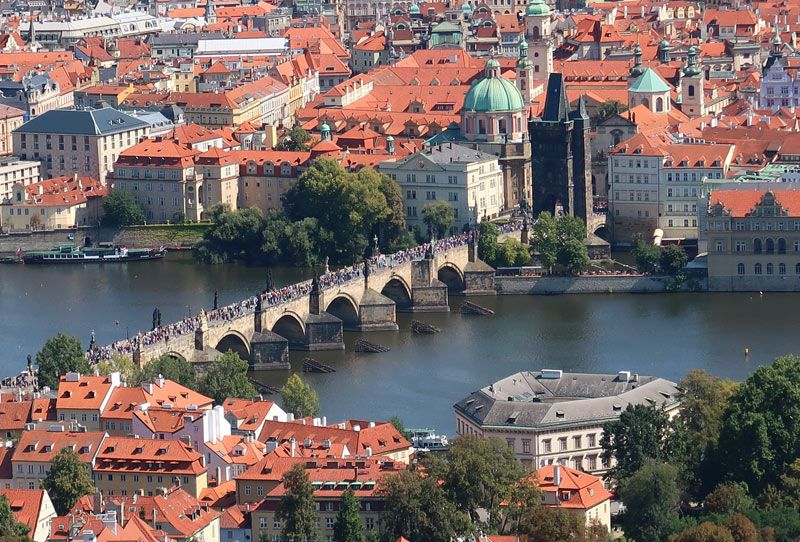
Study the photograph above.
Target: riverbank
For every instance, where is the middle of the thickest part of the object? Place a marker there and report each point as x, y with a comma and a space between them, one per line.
617, 284
170, 236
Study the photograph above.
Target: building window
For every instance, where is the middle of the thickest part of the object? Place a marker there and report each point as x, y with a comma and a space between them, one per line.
547, 448
781, 268
247, 490
576, 443
590, 440
770, 269
276, 523
329, 523
263, 523
741, 246
562, 444
758, 269
740, 268
719, 246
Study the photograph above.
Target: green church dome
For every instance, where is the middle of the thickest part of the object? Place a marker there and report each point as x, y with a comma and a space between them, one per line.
493, 94
649, 83
537, 8
414, 9
466, 8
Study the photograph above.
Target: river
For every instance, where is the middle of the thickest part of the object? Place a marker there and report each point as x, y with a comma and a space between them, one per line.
422, 376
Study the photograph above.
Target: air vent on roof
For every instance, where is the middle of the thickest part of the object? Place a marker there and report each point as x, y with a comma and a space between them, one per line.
552, 373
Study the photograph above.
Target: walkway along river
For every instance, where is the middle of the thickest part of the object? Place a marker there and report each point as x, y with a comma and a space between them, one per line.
423, 375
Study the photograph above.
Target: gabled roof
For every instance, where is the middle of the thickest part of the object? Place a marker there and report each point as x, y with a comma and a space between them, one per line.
575, 490
83, 393
25, 505
42, 446
82, 122
649, 82
741, 202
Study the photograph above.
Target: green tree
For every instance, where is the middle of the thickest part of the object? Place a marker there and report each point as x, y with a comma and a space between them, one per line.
673, 258
574, 256
11, 530
728, 498
651, 497
299, 398
120, 209
347, 527
513, 253
349, 207
416, 507
297, 139
488, 247
60, 355
179, 217
176, 369
544, 239
741, 528
523, 501
67, 481
227, 377
400, 426
296, 509
123, 365
235, 235
705, 532
640, 433
302, 242
703, 399
760, 433
552, 524
478, 474
645, 254
609, 108
439, 217
393, 226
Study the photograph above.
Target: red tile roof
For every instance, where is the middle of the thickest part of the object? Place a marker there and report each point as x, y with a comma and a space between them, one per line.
85, 393
140, 455
575, 490
741, 202
25, 505
42, 446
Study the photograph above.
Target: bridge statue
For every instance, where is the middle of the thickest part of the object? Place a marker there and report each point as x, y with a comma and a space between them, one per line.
216, 300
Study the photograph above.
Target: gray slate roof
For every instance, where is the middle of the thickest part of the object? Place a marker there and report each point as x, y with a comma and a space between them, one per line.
82, 122
527, 399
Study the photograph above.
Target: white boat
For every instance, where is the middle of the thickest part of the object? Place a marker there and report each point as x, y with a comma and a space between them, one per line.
427, 440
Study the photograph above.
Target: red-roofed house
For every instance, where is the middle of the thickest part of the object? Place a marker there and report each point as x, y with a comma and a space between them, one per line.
32, 507
81, 399
58, 203
36, 449
577, 492
753, 238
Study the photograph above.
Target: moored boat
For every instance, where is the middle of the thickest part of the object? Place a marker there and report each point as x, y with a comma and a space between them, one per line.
427, 440
71, 253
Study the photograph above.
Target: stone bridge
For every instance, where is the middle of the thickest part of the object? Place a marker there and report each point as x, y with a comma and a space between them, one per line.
598, 224
316, 320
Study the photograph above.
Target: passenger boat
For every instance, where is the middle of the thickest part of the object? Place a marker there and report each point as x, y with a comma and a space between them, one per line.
71, 253
427, 440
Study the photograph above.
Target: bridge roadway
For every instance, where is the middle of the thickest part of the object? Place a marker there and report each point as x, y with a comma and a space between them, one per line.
309, 316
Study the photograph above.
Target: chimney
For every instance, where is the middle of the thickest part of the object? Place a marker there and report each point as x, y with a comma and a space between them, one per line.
557, 475
293, 444
155, 514
97, 502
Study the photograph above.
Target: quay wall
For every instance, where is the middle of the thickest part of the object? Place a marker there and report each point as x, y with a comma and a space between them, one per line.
629, 284
131, 237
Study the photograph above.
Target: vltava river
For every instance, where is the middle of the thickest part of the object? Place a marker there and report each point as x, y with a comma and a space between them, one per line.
423, 375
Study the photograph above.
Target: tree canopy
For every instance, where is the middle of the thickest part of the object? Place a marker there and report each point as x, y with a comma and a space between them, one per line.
347, 527
417, 508
297, 139
123, 365
171, 368
60, 355
673, 258
439, 218
651, 497
227, 377
11, 530
67, 481
121, 209
645, 254
560, 241
299, 398
297, 508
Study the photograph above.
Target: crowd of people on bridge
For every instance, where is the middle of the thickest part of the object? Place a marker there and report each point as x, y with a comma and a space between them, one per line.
282, 295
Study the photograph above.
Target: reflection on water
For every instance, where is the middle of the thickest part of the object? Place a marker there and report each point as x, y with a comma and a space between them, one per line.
422, 376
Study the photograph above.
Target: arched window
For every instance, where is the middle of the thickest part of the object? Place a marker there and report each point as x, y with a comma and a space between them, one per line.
758, 269
536, 33
770, 246
781, 268
659, 105
646, 103
757, 246
617, 135
740, 268
781, 246
691, 90
770, 269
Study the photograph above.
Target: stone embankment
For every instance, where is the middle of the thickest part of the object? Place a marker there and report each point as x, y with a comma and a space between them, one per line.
132, 237
630, 284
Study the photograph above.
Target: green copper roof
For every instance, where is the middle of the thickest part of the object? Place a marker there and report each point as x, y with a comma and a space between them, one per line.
466, 8
413, 9
492, 63
649, 82
493, 94
537, 8
324, 128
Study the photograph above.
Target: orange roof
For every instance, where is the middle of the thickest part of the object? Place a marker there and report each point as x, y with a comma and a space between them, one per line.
61, 191
238, 449
575, 490
84, 393
13, 416
741, 202
42, 446
177, 508
124, 454
165, 420
25, 505
124, 400
169, 152
43, 409
383, 438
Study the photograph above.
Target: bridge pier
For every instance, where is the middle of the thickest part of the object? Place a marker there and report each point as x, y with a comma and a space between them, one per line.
323, 330
479, 278
428, 293
376, 313
269, 351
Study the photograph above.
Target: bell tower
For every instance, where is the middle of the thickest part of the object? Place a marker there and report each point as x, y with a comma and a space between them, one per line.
538, 37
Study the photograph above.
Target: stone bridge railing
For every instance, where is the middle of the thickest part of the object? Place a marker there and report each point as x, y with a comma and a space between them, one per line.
224, 316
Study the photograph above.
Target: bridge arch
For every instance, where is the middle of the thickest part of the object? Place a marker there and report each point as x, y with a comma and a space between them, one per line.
452, 276
603, 233
233, 340
291, 327
345, 308
397, 290
175, 355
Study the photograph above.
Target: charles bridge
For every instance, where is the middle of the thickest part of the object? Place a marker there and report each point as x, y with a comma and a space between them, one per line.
316, 319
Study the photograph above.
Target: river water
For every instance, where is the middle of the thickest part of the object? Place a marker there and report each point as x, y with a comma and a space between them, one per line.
422, 376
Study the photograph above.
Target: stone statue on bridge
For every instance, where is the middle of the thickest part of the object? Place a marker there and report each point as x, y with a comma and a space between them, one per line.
315, 283
156, 318
216, 300
270, 285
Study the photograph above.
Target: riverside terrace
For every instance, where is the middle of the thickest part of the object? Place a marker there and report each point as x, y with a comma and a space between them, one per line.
312, 315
